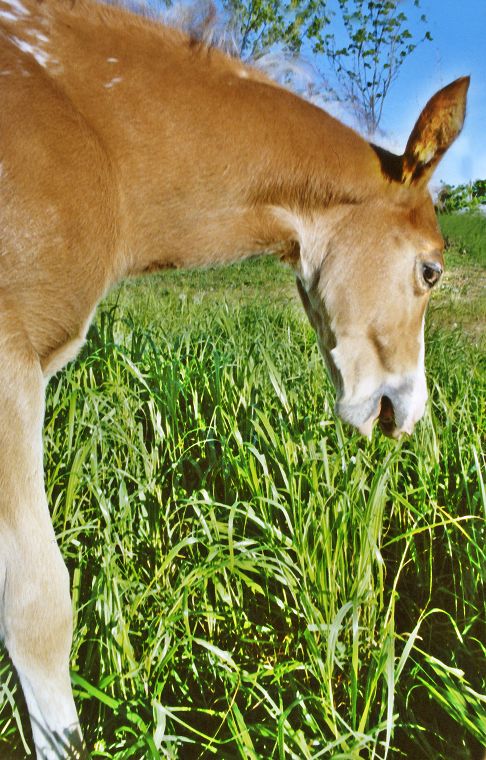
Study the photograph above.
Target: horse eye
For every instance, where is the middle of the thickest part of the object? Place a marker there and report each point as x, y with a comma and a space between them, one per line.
431, 272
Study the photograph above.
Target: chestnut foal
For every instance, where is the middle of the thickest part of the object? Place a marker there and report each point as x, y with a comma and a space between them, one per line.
127, 147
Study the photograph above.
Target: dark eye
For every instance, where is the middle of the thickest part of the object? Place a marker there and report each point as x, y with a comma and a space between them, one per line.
431, 272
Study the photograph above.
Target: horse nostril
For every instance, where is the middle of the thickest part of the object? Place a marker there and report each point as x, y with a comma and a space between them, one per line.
386, 409
386, 416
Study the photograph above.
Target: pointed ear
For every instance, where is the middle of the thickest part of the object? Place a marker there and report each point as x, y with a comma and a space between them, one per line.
436, 129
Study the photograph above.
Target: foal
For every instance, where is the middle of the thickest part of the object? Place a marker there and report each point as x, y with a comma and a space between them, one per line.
126, 147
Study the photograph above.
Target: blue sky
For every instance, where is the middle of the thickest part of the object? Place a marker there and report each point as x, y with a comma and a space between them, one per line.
458, 28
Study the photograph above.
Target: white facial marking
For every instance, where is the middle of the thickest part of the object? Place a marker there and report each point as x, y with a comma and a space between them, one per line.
364, 384
367, 429
419, 395
363, 391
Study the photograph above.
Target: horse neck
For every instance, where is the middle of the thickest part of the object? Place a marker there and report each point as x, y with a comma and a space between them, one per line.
203, 148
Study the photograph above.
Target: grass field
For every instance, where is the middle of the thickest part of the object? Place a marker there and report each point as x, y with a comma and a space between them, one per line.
250, 579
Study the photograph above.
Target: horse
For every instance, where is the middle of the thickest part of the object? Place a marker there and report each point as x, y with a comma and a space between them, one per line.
128, 147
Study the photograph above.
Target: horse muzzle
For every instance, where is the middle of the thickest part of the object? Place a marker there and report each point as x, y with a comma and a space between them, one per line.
395, 408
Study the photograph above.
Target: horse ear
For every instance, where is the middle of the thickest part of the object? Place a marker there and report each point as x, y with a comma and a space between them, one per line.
436, 129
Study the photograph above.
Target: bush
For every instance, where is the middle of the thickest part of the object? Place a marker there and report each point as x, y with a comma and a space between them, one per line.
468, 196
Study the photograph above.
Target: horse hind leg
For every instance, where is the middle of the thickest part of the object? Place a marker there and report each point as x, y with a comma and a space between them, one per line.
35, 606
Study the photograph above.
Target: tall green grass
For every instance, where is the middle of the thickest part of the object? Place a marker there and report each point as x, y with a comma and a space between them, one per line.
465, 234
250, 579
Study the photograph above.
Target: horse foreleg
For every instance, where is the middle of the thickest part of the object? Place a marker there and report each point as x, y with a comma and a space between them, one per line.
35, 606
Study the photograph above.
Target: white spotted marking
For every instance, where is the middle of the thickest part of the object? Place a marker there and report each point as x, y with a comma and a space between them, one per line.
17, 7
36, 52
112, 60
6, 16
113, 82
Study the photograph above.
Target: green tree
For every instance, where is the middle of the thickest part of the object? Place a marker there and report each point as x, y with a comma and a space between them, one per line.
364, 43
377, 41
262, 24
